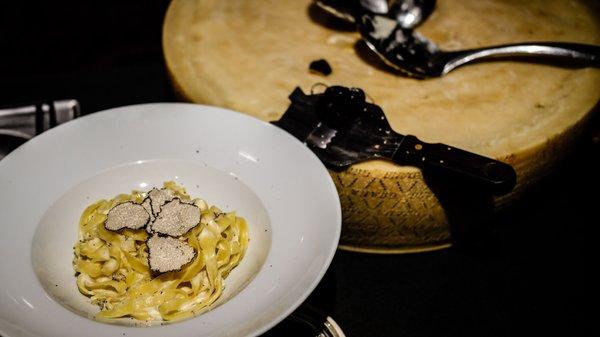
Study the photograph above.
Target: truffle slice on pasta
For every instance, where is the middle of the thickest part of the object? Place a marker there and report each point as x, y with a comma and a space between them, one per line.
175, 218
168, 254
126, 215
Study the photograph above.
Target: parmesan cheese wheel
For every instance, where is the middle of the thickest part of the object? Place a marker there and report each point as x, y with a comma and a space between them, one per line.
249, 55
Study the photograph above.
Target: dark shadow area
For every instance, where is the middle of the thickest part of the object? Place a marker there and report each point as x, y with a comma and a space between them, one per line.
468, 209
70, 35
309, 319
320, 17
9, 142
104, 54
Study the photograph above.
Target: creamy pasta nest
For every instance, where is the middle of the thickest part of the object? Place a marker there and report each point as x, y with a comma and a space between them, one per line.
112, 267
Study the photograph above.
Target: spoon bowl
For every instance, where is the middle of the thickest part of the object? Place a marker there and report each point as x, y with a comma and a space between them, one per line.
408, 13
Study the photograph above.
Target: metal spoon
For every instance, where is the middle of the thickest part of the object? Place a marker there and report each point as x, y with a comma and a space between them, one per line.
414, 55
408, 13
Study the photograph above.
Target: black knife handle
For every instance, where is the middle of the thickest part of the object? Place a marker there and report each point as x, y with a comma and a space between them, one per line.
492, 175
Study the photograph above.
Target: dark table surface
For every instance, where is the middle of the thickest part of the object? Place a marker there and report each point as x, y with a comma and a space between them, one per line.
523, 273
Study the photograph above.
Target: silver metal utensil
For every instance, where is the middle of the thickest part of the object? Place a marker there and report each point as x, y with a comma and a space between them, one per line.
411, 53
408, 13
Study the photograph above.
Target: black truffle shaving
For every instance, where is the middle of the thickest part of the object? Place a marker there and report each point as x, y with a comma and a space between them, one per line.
176, 218
126, 215
321, 67
167, 254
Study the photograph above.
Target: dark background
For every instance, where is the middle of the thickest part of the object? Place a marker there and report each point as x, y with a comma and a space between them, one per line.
524, 273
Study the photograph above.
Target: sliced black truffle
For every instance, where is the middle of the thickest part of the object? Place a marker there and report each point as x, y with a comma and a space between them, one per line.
175, 218
320, 67
126, 215
159, 198
168, 254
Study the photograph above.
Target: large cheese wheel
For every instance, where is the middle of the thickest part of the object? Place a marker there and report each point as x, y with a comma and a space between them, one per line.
249, 55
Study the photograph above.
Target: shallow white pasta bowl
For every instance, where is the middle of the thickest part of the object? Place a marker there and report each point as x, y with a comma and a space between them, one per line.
229, 159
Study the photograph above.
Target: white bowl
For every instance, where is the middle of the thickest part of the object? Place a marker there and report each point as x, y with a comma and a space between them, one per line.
229, 159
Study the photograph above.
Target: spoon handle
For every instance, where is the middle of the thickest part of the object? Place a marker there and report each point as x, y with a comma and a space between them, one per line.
590, 54
485, 173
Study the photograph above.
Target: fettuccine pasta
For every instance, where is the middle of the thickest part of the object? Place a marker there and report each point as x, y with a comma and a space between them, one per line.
112, 268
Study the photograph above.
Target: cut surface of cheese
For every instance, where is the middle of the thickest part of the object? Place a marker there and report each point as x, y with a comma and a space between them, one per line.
249, 55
